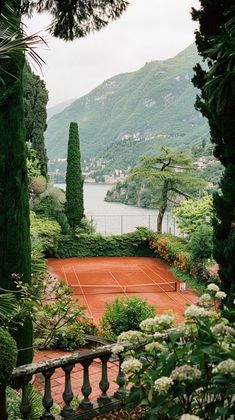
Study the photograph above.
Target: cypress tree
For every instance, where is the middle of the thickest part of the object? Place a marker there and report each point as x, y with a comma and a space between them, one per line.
35, 102
15, 252
74, 207
215, 42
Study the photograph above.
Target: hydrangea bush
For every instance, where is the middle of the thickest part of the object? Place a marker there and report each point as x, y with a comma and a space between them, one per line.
184, 371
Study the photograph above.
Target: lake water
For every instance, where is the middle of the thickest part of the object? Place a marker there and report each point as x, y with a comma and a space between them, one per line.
117, 218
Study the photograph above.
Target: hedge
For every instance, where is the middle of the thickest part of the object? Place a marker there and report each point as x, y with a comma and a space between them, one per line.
128, 245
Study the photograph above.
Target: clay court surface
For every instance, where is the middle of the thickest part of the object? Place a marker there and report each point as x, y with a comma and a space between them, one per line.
101, 279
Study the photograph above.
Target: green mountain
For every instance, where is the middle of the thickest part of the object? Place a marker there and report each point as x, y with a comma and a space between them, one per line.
134, 113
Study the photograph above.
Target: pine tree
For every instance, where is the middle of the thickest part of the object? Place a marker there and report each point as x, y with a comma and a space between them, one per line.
172, 172
215, 41
74, 208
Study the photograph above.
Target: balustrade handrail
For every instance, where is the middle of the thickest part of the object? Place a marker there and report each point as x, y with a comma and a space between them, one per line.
76, 357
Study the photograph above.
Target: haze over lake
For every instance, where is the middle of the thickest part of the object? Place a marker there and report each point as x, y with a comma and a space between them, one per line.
116, 218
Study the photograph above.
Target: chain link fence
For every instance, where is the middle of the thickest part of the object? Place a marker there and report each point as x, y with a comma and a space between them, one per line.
119, 224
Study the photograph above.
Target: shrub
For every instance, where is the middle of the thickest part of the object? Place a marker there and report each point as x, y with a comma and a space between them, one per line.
131, 244
201, 243
48, 231
58, 322
191, 214
8, 355
173, 250
189, 368
124, 314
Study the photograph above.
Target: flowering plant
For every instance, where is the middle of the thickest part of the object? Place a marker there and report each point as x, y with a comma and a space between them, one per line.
183, 371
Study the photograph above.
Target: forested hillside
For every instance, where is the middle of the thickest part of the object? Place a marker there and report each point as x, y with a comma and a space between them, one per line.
132, 113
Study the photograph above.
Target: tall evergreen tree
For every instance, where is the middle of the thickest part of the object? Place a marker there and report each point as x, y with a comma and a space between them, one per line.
70, 20
14, 207
74, 207
215, 41
35, 102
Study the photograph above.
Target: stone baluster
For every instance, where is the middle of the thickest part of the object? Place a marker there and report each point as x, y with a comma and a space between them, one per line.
121, 380
86, 387
3, 410
47, 399
25, 405
104, 383
67, 411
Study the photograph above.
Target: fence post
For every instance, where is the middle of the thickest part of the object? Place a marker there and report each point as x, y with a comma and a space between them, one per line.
91, 225
167, 223
174, 226
149, 222
121, 225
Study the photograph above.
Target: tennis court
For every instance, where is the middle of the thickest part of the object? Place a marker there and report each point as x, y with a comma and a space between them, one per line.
101, 279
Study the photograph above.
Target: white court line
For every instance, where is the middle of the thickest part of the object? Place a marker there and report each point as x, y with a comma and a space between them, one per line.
162, 278
185, 296
65, 275
123, 288
83, 294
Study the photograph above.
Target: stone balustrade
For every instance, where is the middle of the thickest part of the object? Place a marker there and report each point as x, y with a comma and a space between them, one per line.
87, 409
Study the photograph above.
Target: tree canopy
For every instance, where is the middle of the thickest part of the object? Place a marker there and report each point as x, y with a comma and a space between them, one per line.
215, 41
77, 18
172, 172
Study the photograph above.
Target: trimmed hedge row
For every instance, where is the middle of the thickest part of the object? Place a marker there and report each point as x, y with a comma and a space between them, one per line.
128, 245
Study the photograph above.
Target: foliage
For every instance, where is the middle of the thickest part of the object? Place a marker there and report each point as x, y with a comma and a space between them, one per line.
172, 172
123, 314
80, 18
85, 226
74, 207
8, 355
183, 370
200, 244
215, 41
131, 244
173, 250
192, 213
14, 214
47, 230
58, 321
35, 400
35, 102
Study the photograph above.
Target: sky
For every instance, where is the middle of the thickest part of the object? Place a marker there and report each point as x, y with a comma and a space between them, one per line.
148, 30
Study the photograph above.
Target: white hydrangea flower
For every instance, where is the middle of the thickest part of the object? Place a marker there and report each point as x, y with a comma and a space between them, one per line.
227, 367
220, 295
185, 373
131, 365
130, 339
196, 311
163, 384
154, 347
164, 321
148, 325
117, 349
212, 287
222, 330
189, 330
189, 417
160, 336
158, 323
206, 297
